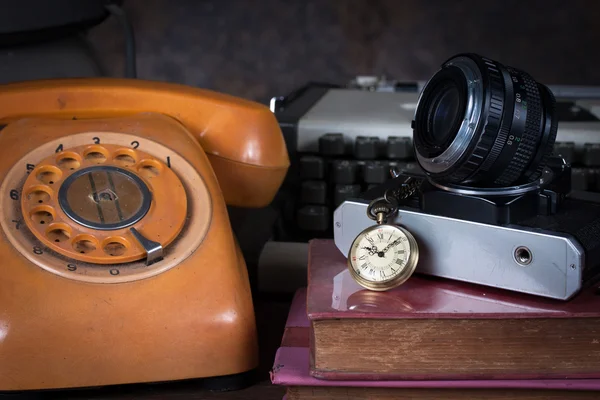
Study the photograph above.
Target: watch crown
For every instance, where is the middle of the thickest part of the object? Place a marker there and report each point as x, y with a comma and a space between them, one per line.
381, 209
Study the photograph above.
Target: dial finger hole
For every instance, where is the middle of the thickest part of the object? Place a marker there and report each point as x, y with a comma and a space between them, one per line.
125, 157
39, 194
96, 154
68, 160
84, 244
115, 246
48, 174
149, 168
58, 233
42, 215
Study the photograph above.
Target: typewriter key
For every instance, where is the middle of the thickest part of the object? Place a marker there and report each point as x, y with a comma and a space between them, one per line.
366, 148
313, 192
312, 167
375, 172
342, 193
399, 148
332, 144
343, 171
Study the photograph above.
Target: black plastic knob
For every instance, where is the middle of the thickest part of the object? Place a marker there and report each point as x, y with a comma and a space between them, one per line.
375, 172
343, 171
312, 167
313, 192
332, 144
366, 147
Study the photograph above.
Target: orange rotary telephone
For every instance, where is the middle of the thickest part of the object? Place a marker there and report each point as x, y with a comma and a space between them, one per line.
118, 262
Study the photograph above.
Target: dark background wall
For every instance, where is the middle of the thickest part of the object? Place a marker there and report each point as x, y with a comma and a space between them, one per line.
260, 48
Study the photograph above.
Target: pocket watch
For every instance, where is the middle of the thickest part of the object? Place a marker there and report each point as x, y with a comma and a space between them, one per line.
384, 256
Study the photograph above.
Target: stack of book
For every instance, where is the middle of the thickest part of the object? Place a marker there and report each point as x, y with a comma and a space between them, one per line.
433, 338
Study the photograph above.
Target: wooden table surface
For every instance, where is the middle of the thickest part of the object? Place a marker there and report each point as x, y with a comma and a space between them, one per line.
271, 314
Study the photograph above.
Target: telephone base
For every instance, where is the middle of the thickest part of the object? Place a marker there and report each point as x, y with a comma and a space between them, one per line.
223, 383
80, 306
229, 382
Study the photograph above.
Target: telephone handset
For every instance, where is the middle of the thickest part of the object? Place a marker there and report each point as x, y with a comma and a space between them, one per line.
118, 261
241, 138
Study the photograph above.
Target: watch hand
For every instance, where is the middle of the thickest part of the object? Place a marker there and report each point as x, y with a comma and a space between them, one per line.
372, 250
391, 245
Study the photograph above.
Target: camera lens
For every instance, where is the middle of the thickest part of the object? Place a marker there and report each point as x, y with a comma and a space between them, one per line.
481, 123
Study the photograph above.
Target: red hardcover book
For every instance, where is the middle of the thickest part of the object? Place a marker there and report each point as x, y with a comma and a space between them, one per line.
291, 368
435, 329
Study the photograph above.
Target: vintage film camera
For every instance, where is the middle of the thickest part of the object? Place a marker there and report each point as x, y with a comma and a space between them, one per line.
342, 140
495, 206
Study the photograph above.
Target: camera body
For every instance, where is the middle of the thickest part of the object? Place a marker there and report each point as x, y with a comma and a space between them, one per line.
541, 239
491, 204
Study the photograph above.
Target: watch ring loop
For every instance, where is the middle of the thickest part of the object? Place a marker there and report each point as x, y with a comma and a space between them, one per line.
390, 205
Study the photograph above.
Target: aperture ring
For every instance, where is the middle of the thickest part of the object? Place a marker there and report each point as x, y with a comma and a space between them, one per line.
497, 125
528, 143
504, 121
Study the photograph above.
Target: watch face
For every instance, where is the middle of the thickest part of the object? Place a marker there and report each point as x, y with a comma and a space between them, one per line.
383, 257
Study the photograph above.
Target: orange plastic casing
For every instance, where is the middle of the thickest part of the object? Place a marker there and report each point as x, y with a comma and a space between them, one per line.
192, 320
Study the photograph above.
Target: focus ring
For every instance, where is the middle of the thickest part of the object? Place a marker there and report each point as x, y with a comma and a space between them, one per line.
529, 141
491, 125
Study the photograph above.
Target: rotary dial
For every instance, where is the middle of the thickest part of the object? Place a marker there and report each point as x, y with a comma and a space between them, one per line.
104, 208
94, 203
383, 257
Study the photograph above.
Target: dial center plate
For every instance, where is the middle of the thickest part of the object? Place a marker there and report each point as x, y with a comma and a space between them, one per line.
104, 197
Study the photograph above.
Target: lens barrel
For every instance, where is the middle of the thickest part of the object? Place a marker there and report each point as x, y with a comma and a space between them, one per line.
481, 123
